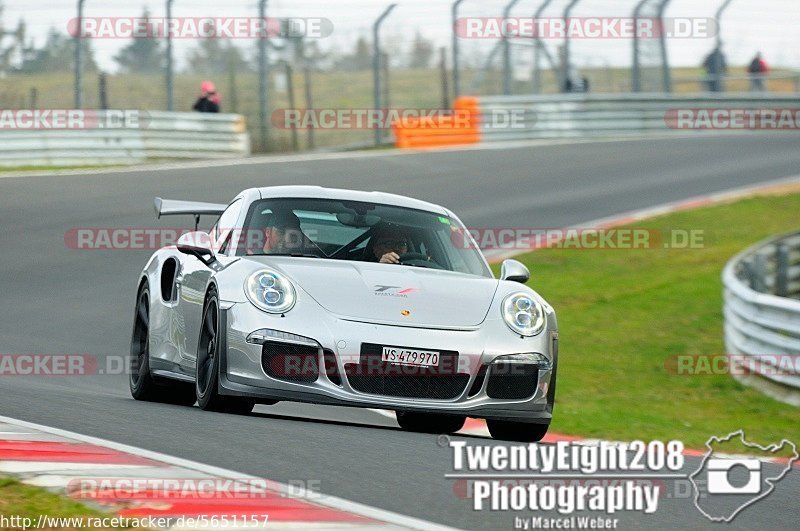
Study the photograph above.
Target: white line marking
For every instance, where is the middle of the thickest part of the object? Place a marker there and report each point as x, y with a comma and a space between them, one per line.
319, 498
498, 255
26, 467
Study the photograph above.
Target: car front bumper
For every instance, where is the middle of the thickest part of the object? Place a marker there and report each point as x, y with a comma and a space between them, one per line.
242, 372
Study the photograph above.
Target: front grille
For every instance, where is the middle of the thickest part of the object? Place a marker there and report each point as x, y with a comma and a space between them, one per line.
373, 376
478, 383
290, 362
331, 368
512, 381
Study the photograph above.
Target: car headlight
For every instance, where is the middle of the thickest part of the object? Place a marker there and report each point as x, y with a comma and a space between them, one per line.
270, 291
523, 314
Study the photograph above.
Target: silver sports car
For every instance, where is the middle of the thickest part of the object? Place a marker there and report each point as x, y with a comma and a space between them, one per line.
348, 298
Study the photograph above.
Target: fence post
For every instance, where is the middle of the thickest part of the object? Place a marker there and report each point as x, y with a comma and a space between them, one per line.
169, 73
567, 58
759, 279
445, 84
263, 76
290, 90
233, 92
376, 65
309, 104
782, 270
78, 57
507, 50
666, 73
102, 87
456, 66
636, 81
537, 49
718, 55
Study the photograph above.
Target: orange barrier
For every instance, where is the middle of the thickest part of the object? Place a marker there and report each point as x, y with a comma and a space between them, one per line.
460, 128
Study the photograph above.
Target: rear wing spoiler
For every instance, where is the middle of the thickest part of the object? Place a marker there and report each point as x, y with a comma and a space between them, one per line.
171, 207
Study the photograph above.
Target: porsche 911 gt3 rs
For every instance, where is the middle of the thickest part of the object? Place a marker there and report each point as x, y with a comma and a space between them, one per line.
349, 298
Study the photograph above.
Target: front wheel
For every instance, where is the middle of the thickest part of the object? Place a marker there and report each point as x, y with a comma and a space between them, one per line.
207, 376
508, 430
430, 423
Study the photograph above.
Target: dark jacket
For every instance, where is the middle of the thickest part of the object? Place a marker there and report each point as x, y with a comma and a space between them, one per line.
205, 105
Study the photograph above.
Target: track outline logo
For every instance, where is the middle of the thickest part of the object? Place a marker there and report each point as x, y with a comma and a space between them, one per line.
737, 461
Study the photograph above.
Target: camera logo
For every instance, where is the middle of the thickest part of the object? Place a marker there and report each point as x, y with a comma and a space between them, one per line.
720, 472
730, 479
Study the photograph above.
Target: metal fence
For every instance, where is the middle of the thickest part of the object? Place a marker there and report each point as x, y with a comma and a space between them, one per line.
762, 316
515, 62
159, 135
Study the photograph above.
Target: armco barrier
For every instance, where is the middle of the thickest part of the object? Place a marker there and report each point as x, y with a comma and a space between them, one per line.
508, 118
160, 135
762, 316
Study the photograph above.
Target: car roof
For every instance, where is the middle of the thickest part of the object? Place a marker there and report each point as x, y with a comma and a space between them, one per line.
319, 192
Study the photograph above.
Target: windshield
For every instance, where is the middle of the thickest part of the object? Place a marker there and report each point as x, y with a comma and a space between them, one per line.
359, 231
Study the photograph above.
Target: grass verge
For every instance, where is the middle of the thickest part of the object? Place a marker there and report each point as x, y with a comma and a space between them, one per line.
624, 313
26, 501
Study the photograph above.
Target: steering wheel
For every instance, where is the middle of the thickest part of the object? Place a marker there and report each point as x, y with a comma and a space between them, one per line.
418, 260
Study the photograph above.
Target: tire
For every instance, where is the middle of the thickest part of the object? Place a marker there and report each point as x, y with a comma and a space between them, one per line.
207, 375
142, 384
508, 430
429, 422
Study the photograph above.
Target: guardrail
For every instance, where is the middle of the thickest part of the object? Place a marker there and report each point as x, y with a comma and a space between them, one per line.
762, 316
701, 82
509, 118
586, 115
157, 135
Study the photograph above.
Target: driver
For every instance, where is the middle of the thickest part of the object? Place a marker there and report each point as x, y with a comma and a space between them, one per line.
283, 235
388, 243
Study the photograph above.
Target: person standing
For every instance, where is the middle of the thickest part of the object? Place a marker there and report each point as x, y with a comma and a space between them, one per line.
209, 98
716, 67
758, 69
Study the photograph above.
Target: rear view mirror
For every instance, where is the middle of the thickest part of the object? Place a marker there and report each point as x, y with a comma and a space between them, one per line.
357, 220
197, 244
514, 271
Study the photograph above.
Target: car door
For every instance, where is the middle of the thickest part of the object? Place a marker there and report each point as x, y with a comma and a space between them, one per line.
193, 279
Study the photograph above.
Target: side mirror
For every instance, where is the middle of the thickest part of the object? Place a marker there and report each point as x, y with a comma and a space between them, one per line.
197, 244
514, 271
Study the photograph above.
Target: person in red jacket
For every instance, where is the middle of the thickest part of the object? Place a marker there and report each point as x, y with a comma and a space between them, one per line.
758, 70
209, 98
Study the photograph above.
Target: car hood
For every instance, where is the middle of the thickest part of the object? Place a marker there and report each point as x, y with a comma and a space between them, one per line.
409, 296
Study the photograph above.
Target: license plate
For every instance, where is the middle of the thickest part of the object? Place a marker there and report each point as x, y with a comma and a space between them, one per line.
404, 356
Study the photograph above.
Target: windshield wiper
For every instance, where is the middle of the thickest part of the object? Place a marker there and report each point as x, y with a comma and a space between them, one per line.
296, 255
